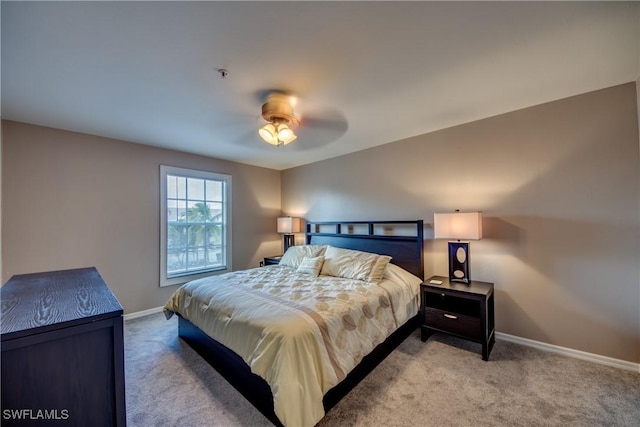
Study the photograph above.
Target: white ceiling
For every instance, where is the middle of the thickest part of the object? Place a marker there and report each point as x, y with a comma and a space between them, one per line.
365, 73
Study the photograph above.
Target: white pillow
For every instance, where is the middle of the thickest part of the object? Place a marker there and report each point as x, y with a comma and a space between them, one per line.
295, 254
351, 264
311, 266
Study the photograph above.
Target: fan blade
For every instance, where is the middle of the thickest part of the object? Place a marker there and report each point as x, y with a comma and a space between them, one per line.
320, 127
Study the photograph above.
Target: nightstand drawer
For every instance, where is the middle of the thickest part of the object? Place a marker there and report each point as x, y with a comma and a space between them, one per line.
452, 322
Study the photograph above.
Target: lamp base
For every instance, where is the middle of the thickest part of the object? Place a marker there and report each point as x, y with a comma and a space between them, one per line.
289, 240
459, 262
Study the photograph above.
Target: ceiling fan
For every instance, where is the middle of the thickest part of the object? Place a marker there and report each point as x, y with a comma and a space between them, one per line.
278, 112
315, 126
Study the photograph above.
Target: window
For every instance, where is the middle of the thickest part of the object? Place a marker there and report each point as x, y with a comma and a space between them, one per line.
195, 224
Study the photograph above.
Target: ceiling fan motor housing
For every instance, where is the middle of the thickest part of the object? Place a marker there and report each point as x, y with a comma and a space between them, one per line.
278, 109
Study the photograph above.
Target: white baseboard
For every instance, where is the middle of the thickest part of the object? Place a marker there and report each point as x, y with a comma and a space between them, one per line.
143, 313
583, 355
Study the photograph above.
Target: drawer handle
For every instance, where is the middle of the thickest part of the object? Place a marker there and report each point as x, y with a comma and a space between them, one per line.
450, 316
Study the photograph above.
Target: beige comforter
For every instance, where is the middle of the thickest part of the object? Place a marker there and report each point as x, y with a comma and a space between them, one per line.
275, 318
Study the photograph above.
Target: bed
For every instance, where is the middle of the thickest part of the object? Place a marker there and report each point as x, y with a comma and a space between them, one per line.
294, 338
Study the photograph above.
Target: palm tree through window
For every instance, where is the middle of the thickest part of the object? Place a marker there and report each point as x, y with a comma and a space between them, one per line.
195, 222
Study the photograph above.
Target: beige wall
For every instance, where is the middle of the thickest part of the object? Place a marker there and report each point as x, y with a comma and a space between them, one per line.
559, 187
74, 200
558, 184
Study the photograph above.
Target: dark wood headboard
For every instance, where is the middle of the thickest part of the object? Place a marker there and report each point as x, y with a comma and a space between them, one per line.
401, 240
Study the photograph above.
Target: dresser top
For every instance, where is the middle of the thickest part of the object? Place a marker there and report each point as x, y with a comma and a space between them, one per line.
40, 302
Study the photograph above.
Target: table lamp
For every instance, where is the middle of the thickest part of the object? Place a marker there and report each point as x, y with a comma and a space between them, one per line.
459, 226
288, 225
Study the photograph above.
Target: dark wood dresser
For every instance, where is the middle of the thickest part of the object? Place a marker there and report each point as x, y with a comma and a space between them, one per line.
62, 351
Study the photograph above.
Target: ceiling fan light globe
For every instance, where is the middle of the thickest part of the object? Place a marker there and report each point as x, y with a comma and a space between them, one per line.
290, 139
284, 132
269, 134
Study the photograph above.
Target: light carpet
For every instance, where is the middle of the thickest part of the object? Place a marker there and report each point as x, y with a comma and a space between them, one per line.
443, 382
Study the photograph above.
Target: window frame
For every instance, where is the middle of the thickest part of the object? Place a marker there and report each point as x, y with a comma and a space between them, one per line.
165, 171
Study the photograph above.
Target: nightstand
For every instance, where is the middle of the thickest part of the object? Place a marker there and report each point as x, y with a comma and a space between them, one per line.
466, 311
272, 260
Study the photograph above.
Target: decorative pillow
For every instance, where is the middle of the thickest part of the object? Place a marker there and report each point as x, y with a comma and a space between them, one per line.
351, 264
311, 265
295, 254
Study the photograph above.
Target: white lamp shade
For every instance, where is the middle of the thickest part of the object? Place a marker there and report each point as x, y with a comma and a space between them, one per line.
288, 225
458, 225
